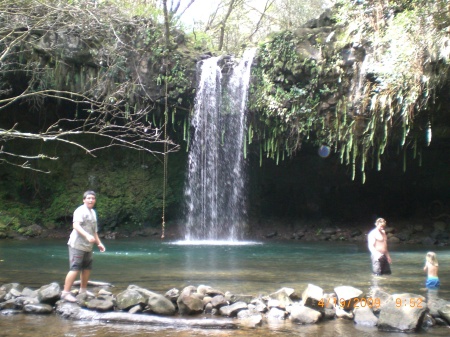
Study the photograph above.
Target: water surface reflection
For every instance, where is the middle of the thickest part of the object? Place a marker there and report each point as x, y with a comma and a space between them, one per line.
253, 268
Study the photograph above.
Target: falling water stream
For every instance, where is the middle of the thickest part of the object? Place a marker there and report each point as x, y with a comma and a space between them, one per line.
215, 192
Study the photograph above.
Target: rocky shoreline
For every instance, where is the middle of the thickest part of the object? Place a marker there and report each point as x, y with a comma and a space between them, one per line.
208, 308
421, 231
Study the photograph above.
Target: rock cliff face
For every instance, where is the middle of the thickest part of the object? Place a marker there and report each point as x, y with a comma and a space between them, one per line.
337, 81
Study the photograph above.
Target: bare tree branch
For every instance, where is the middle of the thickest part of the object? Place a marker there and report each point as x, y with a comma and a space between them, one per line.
41, 45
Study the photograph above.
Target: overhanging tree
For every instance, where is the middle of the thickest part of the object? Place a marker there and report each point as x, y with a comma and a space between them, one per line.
85, 61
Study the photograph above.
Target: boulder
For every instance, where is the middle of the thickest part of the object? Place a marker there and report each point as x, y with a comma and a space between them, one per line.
218, 301
160, 305
129, 298
49, 293
364, 316
348, 297
402, 313
189, 302
250, 318
304, 315
233, 309
100, 305
444, 312
276, 314
283, 296
39, 308
312, 296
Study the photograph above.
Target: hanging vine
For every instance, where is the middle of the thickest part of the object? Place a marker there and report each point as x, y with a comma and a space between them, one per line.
359, 85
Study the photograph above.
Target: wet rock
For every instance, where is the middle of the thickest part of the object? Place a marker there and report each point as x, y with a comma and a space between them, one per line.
219, 301
364, 316
233, 309
259, 305
172, 295
428, 241
356, 232
436, 304
129, 298
312, 296
39, 308
24, 300
207, 290
49, 293
304, 315
100, 305
397, 314
348, 296
283, 296
343, 313
9, 304
189, 302
160, 305
445, 313
276, 314
136, 309
156, 303
10, 312
250, 318
271, 235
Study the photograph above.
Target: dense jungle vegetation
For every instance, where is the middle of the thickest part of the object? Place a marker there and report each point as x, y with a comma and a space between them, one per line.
98, 94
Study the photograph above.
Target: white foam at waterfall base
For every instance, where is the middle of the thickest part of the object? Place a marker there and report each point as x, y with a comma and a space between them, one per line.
214, 243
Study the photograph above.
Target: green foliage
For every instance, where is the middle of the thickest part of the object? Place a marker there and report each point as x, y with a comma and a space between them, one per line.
287, 103
381, 99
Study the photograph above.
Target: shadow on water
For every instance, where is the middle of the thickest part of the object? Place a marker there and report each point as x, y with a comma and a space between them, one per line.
252, 268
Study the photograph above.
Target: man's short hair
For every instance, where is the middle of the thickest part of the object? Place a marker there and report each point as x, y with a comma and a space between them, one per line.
380, 221
88, 193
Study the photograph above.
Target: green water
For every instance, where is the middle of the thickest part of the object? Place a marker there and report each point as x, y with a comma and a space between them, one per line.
254, 269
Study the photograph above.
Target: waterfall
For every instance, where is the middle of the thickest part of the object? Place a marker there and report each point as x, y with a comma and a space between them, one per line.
215, 190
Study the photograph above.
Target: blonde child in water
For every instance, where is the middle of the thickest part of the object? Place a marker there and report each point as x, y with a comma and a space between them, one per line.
432, 268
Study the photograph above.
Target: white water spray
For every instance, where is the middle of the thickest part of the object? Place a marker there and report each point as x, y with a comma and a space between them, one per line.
215, 192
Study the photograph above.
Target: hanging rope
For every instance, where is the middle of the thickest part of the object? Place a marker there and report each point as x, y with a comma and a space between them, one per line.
166, 154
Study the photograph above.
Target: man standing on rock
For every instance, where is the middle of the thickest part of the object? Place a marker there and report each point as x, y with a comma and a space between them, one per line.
377, 243
81, 242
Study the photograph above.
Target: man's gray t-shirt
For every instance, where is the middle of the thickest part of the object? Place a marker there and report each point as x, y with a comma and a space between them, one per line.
88, 221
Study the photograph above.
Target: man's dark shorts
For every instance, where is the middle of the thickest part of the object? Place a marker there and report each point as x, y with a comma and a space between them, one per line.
380, 266
79, 259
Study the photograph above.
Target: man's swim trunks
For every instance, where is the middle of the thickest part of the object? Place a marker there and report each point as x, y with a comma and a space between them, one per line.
381, 265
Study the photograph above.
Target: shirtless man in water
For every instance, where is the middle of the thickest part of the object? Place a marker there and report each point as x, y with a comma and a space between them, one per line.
377, 243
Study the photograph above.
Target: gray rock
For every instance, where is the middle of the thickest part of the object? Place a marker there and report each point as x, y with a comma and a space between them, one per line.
250, 318
129, 298
233, 309
444, 312
402, 313
189, 302
283, 295
304, 315
207, 290
312, 296
160, 305
276, 314
348, 297
219, 301
39, 308
259, 305
100, 305
172, 295
49, 293
364, 316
